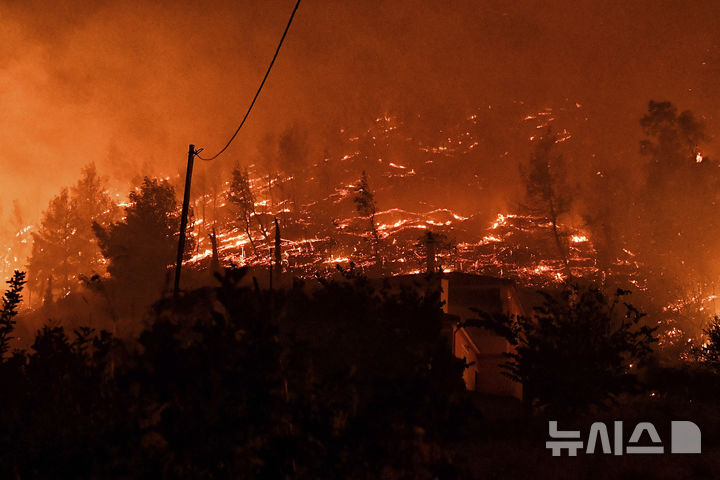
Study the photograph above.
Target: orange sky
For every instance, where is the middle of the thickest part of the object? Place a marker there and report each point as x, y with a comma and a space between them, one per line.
130, 84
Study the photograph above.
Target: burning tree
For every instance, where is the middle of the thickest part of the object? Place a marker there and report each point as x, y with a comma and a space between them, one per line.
546, 190
365, 204
241, 195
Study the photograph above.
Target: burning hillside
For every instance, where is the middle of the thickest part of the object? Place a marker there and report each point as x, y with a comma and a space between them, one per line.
512, 246
414, 174
415, 181
439, 194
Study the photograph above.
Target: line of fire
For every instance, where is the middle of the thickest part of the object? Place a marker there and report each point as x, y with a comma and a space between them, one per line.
404, 276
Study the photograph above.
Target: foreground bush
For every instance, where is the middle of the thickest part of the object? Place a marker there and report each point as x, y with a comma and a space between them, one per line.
577, 349
237, 382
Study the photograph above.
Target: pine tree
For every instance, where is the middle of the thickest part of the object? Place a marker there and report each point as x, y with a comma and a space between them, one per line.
546, 189
10, 303
65, 246
142, 246
242, 196
365, 205
92, 204
57, 247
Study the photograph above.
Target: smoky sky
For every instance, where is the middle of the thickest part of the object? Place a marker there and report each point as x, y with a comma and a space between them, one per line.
129, 85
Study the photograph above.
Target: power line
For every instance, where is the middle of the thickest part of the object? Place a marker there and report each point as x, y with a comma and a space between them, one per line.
257, 94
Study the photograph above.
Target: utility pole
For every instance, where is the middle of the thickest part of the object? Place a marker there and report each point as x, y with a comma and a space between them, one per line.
183, 219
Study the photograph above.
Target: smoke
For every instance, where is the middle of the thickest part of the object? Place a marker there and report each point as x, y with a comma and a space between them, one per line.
129, 85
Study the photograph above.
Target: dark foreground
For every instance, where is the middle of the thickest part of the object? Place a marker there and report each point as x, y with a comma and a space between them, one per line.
338, 381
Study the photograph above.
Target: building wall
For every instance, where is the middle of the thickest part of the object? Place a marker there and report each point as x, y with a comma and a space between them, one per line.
479, 346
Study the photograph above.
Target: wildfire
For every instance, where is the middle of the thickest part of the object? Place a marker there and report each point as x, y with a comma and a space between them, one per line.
698, 302
512, 245
325, 232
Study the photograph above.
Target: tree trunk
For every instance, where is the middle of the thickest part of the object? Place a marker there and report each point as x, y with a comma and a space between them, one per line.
247, 231
278, 251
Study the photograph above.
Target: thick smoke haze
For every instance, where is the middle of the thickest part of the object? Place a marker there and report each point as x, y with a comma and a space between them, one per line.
443, 224
129, 85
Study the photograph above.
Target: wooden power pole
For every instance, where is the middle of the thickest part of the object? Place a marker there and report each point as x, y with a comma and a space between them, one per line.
183, 219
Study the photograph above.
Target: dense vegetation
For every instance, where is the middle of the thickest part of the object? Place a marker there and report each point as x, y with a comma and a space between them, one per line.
338, 379
234, 382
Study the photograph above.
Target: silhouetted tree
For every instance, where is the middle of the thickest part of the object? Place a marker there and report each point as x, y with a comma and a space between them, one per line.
142, 246
672, 139
576, 349
93, 204
64, 389
285, 156
242, 196
609, 211
677, 226
65, 246
10, 303
365, 205
56, 244
547, 193
293, 148
709, 352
